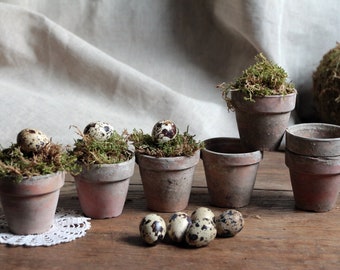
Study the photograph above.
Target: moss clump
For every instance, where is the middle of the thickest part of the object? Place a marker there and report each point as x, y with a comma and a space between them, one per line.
89, 151
15, 164
182, 145
326, 87
264, 78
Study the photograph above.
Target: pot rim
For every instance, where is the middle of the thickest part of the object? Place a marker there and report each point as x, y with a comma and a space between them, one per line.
245, 153
291, 131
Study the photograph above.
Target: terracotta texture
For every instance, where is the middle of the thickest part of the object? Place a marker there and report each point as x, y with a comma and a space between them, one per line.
315, 181
30, 205
261, 124
314, 139
102, 190
167, 181
230, 171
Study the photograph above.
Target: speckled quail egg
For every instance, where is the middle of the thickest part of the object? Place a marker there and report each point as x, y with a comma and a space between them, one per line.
99, 130
229, 223
200, 233
152, 229
31, 140
203, 212
177, 226
164, 131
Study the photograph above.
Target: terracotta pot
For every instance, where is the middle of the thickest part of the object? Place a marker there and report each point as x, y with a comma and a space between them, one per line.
314, 139
102, 189
230, 171
167, 181
315, 181
262, 124
29, 206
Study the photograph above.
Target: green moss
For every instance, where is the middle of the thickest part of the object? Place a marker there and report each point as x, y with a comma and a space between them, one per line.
50, 159
264, 78
182, 145
88, 151
326, 86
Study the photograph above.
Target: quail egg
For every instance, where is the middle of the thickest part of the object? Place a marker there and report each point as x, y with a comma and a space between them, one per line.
203, 212
152, 229
177, 226
164, 131
229, 223
31, 140
200, 232
99, 130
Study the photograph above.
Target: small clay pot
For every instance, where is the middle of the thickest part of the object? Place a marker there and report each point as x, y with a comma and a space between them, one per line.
314, 139
167, 181
262, 123
315, 181
102, 189
29, 206
230, 171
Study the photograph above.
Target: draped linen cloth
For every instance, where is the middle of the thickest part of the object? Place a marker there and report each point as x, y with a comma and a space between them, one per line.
133, 62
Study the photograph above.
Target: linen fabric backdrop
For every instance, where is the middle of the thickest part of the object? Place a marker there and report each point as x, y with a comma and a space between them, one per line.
133, 62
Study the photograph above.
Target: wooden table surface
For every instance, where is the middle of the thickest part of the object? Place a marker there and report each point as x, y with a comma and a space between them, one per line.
275, 236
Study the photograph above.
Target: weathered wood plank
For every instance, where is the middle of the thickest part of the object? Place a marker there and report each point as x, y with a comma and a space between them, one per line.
275, 236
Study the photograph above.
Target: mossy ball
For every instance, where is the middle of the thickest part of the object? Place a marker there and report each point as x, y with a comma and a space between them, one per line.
326, 87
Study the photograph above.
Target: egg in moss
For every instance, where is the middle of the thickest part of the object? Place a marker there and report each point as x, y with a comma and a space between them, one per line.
31, 140
164, 131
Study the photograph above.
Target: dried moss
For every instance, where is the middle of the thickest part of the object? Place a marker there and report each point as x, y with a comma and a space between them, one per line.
264, 78
88, 151
326, 87
51, 158
182, 145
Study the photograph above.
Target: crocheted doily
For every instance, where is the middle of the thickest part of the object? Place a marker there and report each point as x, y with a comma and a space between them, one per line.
68, 225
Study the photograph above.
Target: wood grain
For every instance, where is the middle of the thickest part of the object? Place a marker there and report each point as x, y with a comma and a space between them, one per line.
275, 236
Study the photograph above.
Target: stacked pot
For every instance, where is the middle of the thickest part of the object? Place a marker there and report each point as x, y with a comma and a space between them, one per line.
313, 158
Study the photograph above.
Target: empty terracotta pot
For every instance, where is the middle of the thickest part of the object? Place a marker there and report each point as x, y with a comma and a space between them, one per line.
102, 189
230, 171
313, 158
29, 206
314, 139
315, 181
262, 124
167, 181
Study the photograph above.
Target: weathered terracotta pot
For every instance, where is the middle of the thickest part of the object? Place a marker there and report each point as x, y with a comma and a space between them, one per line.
314, 139
230, 171
167, 181
262, 124
29, 206
315, 181
102, 189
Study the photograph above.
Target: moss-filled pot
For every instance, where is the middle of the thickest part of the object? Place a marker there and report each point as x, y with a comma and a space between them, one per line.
167, 181
29, 206
102, 188
262, 123
230, 171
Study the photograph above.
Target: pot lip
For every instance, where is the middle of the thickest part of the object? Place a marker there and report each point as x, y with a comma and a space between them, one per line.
165, 158
269, 96
291, 131
256, 153
35, 177
131, 160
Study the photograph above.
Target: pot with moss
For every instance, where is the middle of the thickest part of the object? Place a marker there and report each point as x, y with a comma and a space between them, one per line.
167, 161
263, 100
107, 162
32, 172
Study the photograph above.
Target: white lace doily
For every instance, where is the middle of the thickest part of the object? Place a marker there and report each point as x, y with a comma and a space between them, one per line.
68, 225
